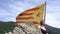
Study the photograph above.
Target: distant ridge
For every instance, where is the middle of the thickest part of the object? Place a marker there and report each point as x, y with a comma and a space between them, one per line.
52, 30
6, 21
9, 26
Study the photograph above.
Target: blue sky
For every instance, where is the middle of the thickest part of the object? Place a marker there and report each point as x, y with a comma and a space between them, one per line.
9, 9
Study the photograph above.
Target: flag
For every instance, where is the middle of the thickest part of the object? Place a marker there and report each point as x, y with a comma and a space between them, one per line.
34, 15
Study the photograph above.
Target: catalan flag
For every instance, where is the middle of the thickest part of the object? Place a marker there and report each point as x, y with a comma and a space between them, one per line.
33, 15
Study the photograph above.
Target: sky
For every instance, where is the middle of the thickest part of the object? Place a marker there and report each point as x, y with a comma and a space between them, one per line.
9, 9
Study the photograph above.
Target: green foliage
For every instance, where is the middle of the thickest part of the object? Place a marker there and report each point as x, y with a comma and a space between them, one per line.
6, 27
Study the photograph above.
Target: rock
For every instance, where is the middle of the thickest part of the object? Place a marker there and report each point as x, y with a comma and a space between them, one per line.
26, 28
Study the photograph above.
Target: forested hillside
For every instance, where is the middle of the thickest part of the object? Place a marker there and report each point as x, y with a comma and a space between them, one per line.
9, 26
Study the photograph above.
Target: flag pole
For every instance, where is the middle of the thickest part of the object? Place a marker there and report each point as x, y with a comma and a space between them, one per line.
45, 12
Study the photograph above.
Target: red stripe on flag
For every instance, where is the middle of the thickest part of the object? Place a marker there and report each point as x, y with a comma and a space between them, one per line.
24, 18
19, 22
24, 14
32, 9
35, 22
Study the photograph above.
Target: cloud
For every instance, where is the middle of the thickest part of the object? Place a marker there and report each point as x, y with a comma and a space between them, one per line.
54, 10
5, 16
52, 13
50, 20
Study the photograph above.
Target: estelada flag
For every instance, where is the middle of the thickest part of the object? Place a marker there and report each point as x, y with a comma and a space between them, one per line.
34, 15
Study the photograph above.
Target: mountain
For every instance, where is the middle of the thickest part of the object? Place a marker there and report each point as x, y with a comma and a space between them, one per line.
6, 26
52, 30
9, 26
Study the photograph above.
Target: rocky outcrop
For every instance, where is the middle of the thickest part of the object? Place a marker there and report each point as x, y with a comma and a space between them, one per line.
26, 28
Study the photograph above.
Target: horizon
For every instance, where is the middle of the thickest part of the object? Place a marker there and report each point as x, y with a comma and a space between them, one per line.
13, 21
